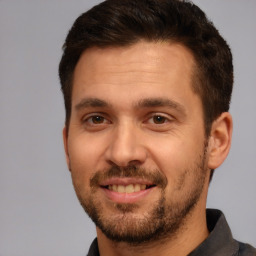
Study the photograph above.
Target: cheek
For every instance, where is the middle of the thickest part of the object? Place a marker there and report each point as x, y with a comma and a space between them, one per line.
173, 156
86, 154
81, 160
84, 151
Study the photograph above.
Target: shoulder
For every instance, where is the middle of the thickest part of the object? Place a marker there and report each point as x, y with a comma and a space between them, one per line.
246, 250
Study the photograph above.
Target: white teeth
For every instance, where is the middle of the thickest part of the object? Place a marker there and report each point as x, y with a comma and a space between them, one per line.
120, 189
136, 187
131, 188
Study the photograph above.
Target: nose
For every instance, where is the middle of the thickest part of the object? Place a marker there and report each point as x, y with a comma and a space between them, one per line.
126, 147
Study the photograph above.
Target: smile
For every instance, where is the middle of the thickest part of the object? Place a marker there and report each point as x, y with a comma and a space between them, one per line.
130, 188
126, 190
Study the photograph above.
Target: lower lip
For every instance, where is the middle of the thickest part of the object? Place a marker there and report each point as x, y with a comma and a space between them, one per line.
127, 197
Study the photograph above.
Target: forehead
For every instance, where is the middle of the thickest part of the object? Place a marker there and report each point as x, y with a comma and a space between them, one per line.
145, 67
157, 56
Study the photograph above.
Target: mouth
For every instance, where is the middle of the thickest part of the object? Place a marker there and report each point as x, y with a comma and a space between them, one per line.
128, 189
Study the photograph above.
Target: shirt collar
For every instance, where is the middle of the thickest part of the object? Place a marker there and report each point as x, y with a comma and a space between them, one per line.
220, 241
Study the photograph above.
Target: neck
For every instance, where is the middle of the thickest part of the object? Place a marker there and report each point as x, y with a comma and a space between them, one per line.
192, 233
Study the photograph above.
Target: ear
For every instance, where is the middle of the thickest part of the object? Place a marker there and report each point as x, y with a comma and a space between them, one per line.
65, 142
220, 140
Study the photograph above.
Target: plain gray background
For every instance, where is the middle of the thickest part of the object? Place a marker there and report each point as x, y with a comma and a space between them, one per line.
39, 212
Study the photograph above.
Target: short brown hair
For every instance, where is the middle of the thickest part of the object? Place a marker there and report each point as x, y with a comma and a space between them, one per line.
125, 22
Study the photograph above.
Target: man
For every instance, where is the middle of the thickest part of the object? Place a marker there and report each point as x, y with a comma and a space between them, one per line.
147, 86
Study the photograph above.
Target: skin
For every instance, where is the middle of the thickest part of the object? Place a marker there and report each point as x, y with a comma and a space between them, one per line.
120, 129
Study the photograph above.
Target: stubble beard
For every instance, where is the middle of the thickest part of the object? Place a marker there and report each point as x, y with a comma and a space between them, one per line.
163, 220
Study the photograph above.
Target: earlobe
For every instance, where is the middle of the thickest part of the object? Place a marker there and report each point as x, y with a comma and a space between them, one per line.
65, 142
220, 140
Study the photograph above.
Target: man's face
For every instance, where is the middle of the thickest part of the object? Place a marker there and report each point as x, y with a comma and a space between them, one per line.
136, 146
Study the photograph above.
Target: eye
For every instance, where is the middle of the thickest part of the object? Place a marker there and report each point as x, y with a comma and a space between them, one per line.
95, 120
158, 119
159, 122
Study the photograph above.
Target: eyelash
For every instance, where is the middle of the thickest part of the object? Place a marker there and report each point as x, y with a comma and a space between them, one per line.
87, 119
154, 120
160, 117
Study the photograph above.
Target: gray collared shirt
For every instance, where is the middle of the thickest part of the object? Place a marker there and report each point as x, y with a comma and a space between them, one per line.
219, 242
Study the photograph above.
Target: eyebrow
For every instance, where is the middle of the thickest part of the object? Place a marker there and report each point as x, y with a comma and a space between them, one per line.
143, 103
160, 102
91, 102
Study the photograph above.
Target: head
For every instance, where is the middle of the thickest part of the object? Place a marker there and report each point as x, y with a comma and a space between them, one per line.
145, 85
123, 23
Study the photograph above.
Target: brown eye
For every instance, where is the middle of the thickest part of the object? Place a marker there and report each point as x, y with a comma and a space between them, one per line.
159, 119
97, 119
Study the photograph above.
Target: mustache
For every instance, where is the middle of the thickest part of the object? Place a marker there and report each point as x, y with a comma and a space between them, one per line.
155, 176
